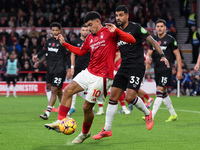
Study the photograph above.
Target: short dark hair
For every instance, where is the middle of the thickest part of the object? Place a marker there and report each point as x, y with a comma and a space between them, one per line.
161, 21
55, 24
122, 8
84, 26
92, 15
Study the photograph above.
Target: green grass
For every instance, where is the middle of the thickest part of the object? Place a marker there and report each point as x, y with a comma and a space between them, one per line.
22, 129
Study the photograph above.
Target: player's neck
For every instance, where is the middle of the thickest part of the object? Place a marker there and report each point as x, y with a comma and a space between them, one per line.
124, 26
161, 35
82, 38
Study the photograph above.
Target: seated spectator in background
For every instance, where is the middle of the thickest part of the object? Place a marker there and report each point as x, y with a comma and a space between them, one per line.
29, 78
195, 86
25, 67
148, 78
3, 21
2, 77
173, 81
33, 32
70, 34
25, 58
15, 46
170, 21
189, 81
151, 24
172, 31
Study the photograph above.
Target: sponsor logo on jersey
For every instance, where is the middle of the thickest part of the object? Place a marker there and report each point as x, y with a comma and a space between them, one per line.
51, 49
120, 43
143, 30
162, 47
97, 45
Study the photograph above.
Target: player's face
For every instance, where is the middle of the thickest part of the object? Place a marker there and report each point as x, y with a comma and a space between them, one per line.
121, 18
160, 28
84, 32
55, 31
92, 26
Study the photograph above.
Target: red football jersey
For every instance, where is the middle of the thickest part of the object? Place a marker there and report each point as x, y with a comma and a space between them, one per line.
102, 46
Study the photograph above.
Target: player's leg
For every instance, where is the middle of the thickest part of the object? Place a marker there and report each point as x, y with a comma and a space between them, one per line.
122, 103
48, 91
88, 118
72, 109
158, 100
79, 83
147, 97
8, 85
100, 111
14, 80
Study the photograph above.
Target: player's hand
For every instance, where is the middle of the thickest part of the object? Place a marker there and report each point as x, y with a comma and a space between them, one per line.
148, 60
36, 65
60, 38
166, 61
72, 71
179, 75
196, 67
34, 58
111, 27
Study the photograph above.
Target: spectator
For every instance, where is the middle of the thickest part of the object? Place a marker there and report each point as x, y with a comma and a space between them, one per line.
29, 78
151, 24
170, 21
172, 31
195, 86
33, 32
195, 44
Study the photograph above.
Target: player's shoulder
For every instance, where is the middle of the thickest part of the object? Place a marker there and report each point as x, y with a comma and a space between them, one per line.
169, 36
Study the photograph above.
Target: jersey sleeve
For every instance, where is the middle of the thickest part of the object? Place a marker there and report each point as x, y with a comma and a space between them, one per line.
141, 32
85, 47
174, 44
43, 51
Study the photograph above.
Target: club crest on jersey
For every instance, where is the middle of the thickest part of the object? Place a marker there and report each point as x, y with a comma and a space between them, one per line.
164, 42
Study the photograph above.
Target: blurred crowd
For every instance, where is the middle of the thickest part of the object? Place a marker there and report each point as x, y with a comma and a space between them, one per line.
70, 13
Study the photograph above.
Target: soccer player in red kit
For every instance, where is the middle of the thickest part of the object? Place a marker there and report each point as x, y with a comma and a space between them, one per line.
98, 77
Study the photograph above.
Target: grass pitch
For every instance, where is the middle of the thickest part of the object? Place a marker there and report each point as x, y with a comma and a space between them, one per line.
22, 129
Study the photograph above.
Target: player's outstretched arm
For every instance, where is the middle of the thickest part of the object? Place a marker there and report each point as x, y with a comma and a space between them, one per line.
178, 59
126, 37
39, 62
157, 47
73, 49
196, 67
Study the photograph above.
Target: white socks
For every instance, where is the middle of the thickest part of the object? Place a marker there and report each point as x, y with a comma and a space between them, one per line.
168, 103
140, 105
14, 91
73, 101
48, 93
110, 114
8, 91
48, 110
156, 105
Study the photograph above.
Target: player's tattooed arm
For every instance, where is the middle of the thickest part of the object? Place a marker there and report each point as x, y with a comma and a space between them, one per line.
39, 62
157, 47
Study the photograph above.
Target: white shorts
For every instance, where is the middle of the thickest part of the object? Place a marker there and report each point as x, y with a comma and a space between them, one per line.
95, 86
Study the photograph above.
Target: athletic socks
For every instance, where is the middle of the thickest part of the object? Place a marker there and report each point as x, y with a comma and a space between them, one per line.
48, 93
14, 91
110, 114
146, 96
48, 110
168, 103
140, 105
86, 127
63, 112
8, 91
73, 101
100, 107
156, 105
